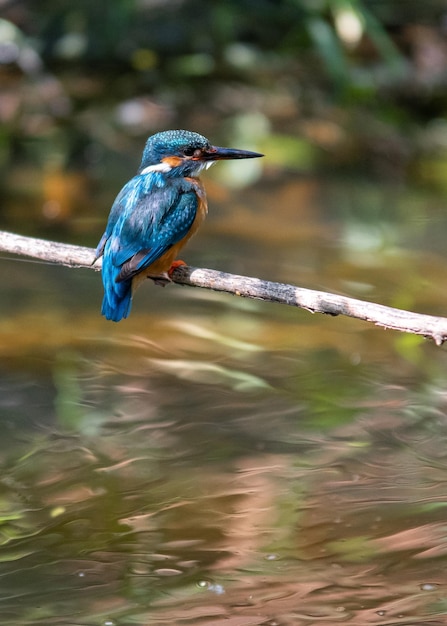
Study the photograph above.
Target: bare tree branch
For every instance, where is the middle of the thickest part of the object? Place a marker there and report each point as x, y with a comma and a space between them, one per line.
247, 287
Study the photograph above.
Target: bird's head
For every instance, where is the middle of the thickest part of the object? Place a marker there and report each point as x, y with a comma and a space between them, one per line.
184, 153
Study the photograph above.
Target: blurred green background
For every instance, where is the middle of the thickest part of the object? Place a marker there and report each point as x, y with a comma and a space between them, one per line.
213, 460
334, 86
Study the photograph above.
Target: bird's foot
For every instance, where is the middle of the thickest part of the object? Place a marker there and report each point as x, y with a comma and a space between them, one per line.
174, 266
161, 280
166, 277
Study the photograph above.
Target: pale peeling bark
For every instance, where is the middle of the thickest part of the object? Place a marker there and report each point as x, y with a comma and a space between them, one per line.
245, 286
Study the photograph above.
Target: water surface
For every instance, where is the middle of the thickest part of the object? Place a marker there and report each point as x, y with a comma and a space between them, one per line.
219, 461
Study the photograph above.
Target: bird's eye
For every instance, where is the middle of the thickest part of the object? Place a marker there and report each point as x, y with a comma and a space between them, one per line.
189, 151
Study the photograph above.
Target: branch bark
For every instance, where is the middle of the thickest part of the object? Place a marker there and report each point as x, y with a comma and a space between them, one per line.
245, 286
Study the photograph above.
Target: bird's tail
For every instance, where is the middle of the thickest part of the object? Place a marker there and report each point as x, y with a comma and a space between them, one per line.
117, 299
117, 308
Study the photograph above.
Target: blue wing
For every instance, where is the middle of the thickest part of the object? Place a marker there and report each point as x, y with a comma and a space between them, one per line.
146, 220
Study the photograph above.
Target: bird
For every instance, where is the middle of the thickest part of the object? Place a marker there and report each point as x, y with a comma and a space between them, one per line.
155, 214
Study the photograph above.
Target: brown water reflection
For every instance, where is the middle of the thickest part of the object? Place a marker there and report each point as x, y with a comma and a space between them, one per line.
198, 501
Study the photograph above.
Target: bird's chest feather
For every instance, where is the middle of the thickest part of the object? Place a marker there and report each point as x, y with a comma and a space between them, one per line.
202, 206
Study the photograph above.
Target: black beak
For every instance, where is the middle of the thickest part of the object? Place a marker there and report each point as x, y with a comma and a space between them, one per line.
216, 153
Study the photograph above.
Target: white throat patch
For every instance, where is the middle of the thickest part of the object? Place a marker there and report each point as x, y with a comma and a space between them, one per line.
158, 167
204, 165
165, 167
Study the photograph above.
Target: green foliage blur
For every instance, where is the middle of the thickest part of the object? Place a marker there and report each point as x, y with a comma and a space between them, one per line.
341, 85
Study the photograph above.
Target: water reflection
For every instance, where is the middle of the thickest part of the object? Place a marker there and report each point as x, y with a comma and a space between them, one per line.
155, 489
214, 460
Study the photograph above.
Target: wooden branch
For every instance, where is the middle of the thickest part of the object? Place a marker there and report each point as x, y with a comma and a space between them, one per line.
313, 301
51, 251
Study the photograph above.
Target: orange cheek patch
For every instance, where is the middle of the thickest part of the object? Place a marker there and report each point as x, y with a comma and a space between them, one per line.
173, 161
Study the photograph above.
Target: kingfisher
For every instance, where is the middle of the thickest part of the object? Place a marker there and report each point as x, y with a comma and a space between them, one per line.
155, 214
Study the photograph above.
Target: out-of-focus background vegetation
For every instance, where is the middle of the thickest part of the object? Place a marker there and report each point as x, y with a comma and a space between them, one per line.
211, 460
341, 86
